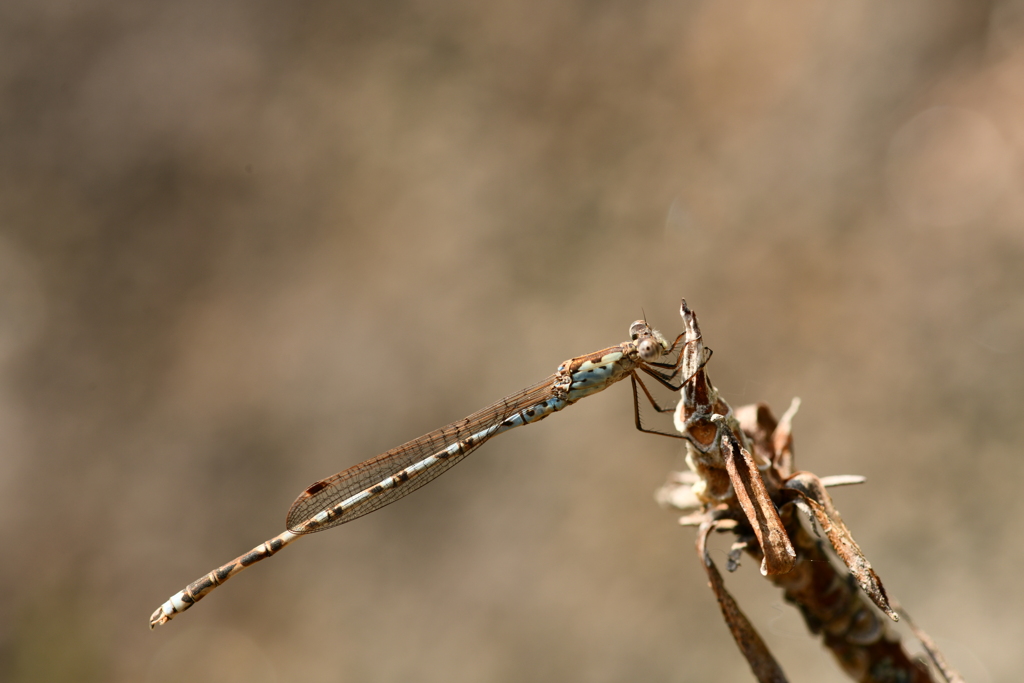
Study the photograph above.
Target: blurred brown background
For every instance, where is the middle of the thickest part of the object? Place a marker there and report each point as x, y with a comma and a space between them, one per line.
246, 244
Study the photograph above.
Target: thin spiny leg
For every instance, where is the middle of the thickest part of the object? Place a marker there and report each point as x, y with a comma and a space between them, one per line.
676, 367
636, 409
678, 339
679, 358
635, 379
650, 398
664, 379
668, 376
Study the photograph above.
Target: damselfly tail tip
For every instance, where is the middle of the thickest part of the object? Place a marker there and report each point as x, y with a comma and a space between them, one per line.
160, 616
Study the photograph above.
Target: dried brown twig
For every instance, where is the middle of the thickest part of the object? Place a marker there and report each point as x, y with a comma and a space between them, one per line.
741, 480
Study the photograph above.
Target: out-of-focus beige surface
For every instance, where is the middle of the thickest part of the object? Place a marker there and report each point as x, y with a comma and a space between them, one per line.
244, 245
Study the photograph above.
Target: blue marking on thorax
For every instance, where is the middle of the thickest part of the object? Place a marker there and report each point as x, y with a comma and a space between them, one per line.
594, 379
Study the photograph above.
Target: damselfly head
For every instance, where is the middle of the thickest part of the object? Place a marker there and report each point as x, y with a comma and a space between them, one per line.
638, 329
649, 349
650, 344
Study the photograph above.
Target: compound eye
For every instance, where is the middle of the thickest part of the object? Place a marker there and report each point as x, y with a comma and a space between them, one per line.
649, 349
638, 329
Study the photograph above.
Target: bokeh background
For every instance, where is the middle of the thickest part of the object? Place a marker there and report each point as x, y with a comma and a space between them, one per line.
244, 245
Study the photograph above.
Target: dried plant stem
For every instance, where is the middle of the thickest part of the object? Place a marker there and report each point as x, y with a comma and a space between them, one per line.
742, 482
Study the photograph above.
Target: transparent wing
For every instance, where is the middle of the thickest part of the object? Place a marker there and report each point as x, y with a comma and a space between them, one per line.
327, 493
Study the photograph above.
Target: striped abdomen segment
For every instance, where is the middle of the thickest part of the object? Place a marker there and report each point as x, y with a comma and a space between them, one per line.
194, 592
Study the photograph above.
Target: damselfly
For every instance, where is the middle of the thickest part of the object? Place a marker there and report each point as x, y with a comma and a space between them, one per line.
382, 480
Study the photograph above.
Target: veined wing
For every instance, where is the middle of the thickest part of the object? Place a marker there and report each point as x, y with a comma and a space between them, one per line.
471, 432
